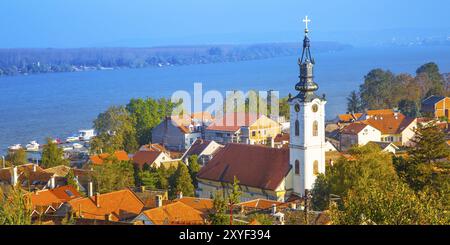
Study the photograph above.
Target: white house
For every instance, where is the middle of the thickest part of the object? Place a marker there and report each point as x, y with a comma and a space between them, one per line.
358, 134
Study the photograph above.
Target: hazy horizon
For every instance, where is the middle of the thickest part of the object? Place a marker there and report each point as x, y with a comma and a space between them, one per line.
103, 23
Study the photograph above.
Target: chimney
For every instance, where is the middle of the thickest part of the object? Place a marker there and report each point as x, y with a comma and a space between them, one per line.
97, 199
90, 189
274, 208
34, 167
158, 201
52, 183
14, 176
179, 195
272, 142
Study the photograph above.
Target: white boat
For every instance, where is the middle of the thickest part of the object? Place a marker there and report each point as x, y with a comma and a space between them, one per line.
15, 147
77, 146
32, 146
86, 134
72, 138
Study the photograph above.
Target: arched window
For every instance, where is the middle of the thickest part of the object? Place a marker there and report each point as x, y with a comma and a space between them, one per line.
315, 128
297, 167
297, 128
316, 167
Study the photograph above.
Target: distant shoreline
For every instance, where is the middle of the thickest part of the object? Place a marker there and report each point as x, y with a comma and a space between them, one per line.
29, 61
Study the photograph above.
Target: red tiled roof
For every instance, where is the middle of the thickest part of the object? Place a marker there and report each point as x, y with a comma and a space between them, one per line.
176, 213
349, 117
353, 128
237, 120
255, 166
99, 159
145, 157
53, 197
282, 137
25, 173
201, 204
153, 147
115, 206
390, 124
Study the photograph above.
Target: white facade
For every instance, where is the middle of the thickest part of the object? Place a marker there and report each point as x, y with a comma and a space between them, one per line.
308, 147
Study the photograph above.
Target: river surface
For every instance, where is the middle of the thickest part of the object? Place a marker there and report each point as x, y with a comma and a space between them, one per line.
34, 107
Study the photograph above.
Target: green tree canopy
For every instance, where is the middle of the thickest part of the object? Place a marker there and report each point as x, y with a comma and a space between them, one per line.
354, 104
113, 175
17, 157
194, 168
15, 208
52, 155
182, 182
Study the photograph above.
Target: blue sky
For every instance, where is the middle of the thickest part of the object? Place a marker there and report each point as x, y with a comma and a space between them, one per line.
87, 23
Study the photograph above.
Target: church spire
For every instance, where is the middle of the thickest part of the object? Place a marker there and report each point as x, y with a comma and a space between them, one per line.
306, 86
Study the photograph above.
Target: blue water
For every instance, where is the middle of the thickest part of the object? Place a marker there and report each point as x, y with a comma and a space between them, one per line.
57, 105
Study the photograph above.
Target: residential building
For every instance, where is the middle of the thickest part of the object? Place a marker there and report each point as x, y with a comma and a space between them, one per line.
49, 200
386, 146
150, 158
240, 127
30, 177
121, 205
176, 213
436, 106
395, 128
359, 134
204, 149
176, 133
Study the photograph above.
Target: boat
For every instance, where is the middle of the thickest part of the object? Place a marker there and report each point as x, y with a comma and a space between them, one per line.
86, 134
15, 147
72, 138
32, 146
77, 146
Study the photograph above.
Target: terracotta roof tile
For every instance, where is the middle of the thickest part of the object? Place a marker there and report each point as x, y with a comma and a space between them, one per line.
390, 124
99, 159
176, 213
255, 166
53, 197
145, 157
260, 204
197, 147
353, 128
201, 204
115, 206
349, 117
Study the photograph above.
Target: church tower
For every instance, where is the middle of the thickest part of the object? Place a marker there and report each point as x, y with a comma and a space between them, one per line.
307, 131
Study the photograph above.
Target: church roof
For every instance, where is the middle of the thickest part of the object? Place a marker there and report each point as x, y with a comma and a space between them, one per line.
254, 166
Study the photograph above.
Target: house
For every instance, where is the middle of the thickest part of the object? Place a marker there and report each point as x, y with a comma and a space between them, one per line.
240, 127
176, 133
29, 176
204, 149
101, 158
176, 213
82, 176
121, 205
395, 128
386, 146
436, 106
150, 158
262, 172
347, 118
49, 200
281, 140
358, 133
153, 147
203, 205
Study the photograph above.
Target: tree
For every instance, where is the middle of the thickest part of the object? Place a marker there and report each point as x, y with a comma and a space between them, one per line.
234, 197
146, 114
263, 219
15, 208
17, 157
376, 91
409, 108
426, 165
433, 77
113, 175
71, 180
182, 182
367, 163
354, 104
148, 178
52, 155
194, 168
217, 215
116, 131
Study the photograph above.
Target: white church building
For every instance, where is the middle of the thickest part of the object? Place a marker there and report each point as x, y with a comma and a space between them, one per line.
277, 173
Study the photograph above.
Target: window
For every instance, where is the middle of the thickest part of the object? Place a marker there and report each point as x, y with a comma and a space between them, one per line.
253, 133
316, 167
297, 128
297, 167
315, 128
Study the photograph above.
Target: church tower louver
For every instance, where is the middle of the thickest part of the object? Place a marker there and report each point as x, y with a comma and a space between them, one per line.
307, 131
